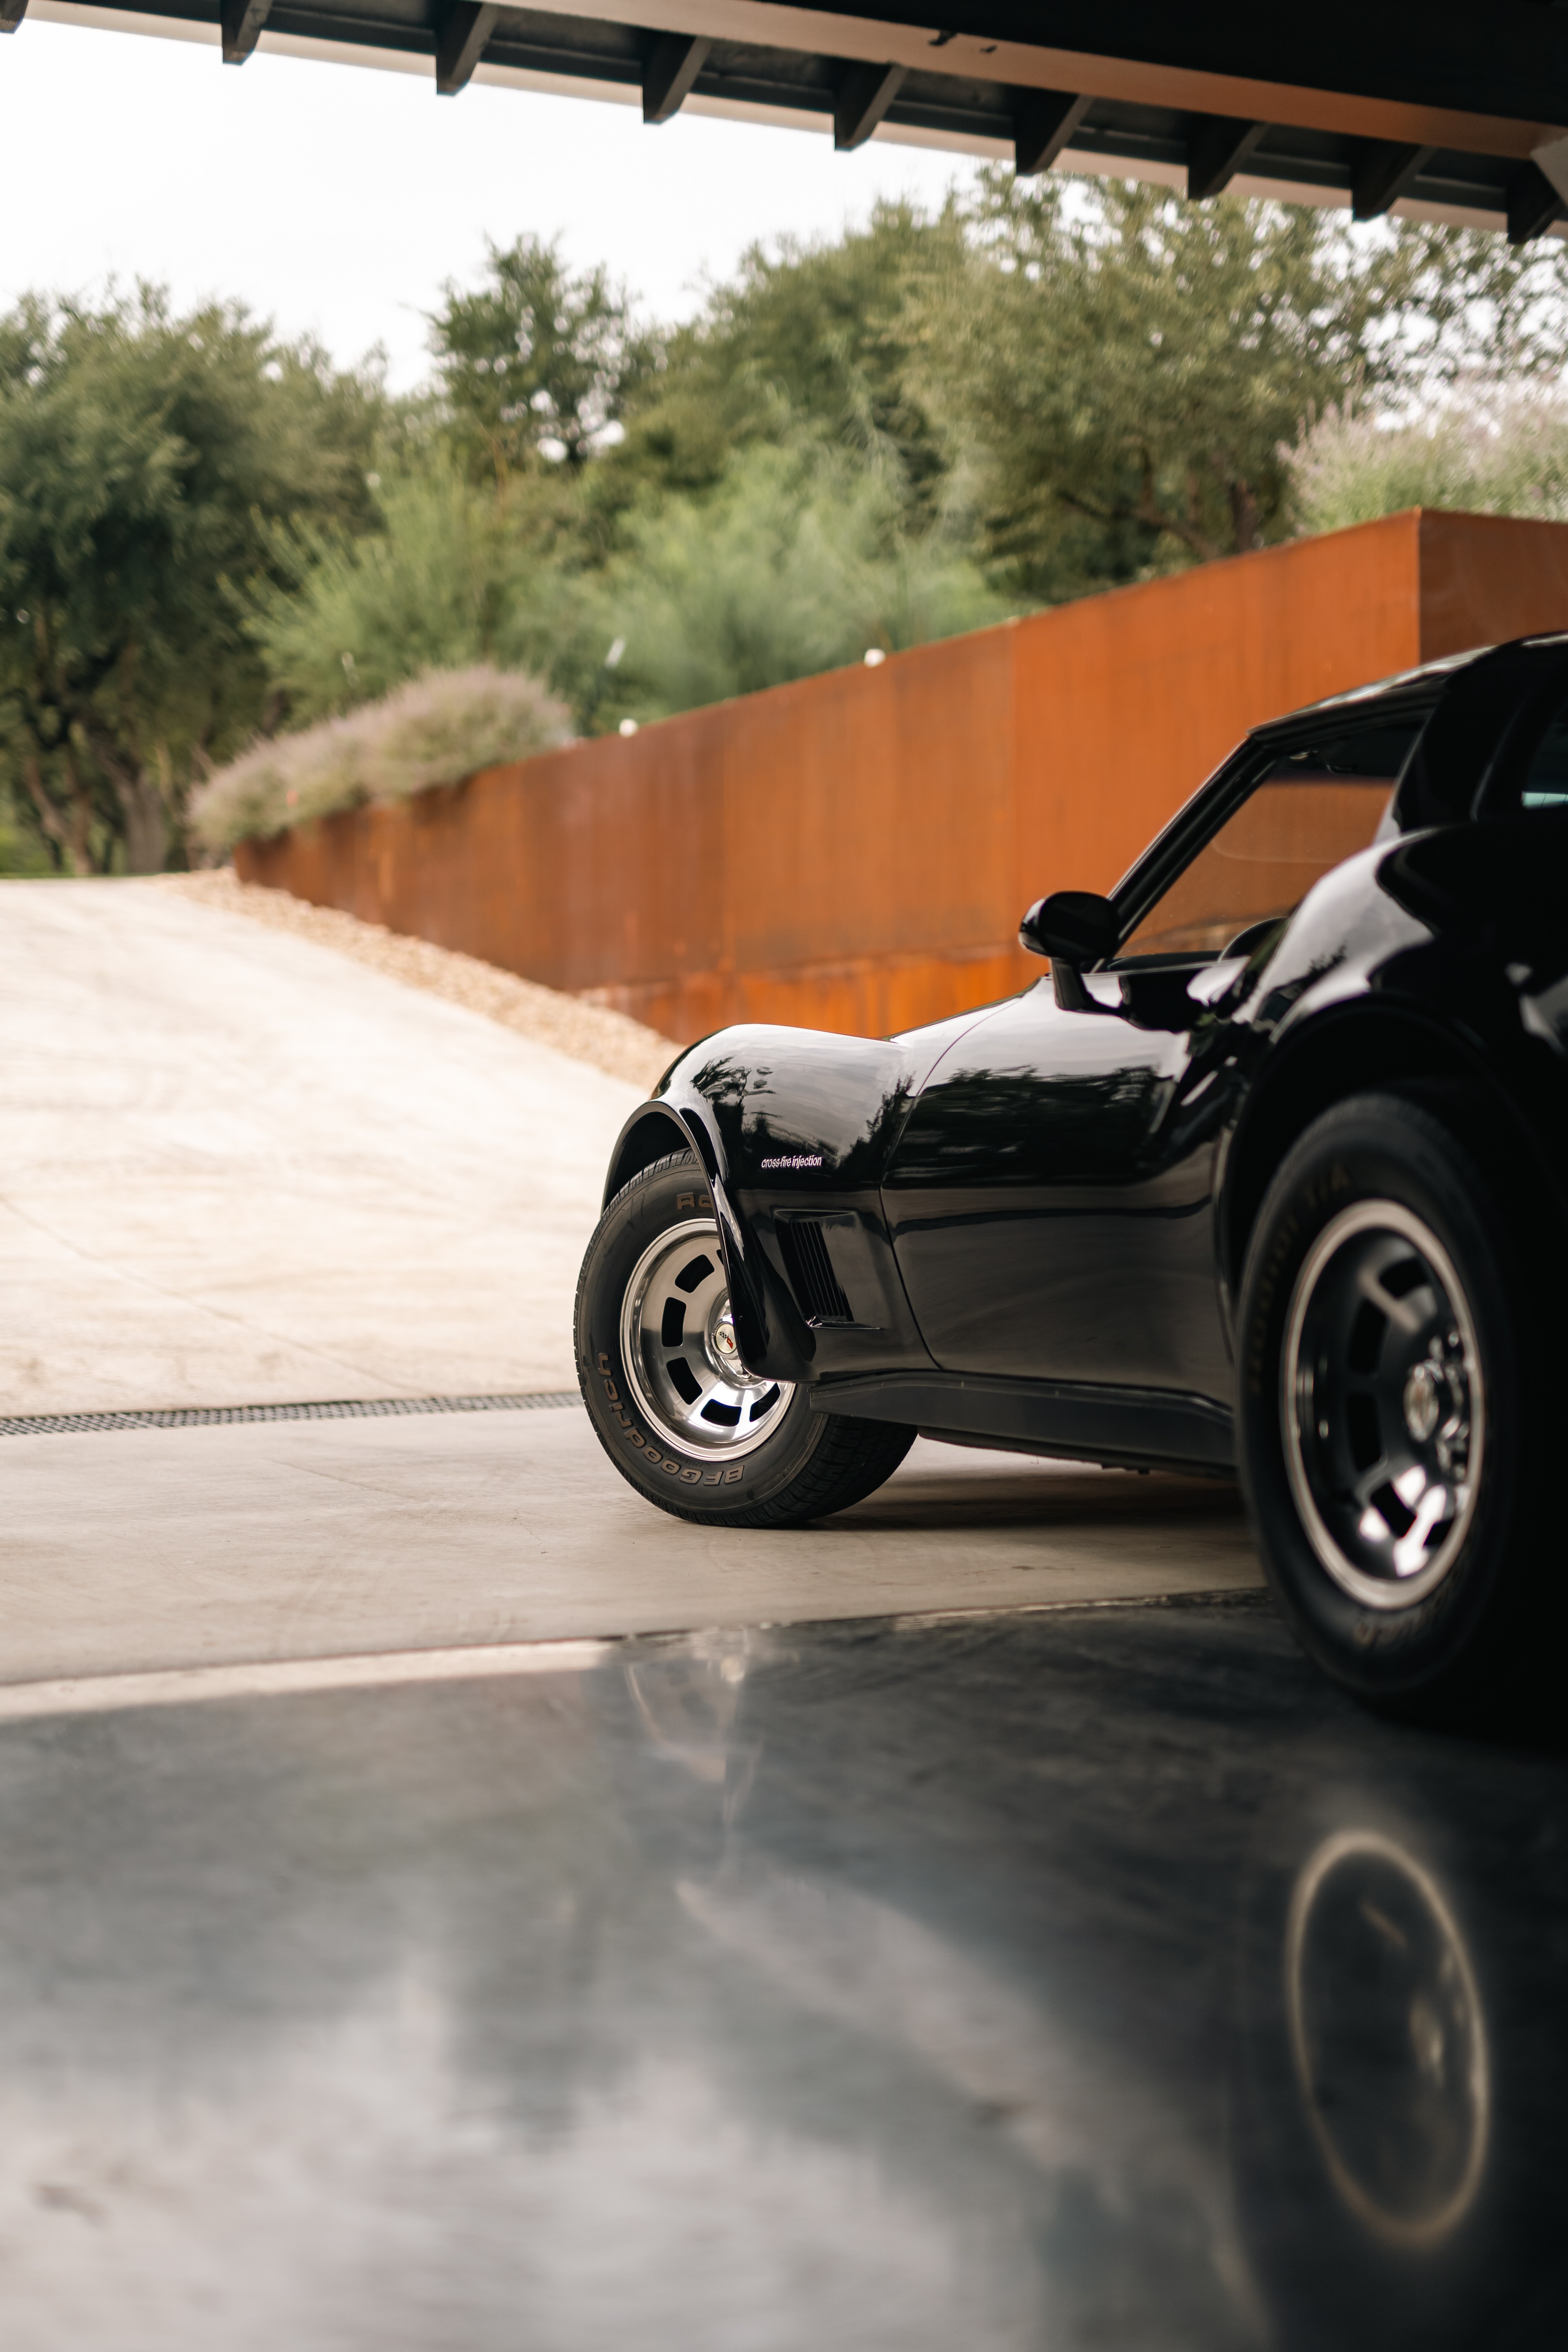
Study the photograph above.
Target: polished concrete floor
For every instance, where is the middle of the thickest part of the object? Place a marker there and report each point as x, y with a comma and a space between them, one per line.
1098, 1979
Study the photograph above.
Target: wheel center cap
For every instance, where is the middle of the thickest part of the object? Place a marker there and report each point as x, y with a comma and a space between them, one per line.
1422, 1402
724, 1349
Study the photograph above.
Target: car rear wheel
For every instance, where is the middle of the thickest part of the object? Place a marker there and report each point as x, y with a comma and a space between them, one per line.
1385, 1397
674, 1405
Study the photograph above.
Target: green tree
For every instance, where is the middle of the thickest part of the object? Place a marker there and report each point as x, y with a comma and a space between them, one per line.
346, 618
144, 459
796, 563
1130, 367
535, 365
806, 343
22, 854
454, 575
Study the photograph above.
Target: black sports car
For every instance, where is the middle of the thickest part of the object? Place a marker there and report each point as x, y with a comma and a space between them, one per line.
1266, 1176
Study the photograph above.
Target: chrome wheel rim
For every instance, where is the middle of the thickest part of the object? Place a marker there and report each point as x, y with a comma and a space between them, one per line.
677, 1343
1382, 1405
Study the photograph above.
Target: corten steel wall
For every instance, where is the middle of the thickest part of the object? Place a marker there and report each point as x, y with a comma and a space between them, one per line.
854, 852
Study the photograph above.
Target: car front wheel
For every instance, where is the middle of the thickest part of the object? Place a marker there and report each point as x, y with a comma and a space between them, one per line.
674, 1405
1385, 1397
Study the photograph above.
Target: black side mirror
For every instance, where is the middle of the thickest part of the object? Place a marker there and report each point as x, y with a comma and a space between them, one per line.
1071, 927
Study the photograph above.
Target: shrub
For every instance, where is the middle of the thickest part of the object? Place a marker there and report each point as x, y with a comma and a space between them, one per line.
436, 730
352, 618
1480, 453
793, 565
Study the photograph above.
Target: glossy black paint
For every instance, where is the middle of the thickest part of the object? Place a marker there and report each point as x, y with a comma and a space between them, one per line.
1037, 1211
1049, 1200
796, 1121
1077, 924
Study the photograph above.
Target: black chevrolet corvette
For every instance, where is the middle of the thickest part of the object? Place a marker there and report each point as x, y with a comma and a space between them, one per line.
1267, 1177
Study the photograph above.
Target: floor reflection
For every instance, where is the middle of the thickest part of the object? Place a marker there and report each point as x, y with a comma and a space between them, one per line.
1388, 2037
1086, 1980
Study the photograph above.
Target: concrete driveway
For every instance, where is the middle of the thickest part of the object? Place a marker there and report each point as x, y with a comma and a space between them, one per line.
238, 1169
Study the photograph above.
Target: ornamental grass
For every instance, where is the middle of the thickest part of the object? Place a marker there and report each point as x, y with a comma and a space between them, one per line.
438, 730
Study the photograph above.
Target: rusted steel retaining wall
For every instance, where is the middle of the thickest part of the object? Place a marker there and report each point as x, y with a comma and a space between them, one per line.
854, 852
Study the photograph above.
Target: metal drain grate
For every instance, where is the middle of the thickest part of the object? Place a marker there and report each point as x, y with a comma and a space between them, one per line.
52, 1424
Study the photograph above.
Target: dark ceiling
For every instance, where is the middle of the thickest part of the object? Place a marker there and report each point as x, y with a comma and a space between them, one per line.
1447, 110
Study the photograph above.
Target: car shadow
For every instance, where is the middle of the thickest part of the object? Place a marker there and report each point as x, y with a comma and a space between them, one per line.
937, 1487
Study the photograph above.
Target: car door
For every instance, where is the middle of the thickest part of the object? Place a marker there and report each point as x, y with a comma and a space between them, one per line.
1050, 1201
1051, 1196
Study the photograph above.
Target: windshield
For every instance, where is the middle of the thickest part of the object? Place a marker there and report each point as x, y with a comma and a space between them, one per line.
1308, 810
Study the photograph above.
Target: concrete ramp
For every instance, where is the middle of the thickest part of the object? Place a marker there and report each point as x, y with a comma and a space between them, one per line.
235, 1168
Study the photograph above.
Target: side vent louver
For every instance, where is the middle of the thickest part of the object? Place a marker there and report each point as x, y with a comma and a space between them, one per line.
810, 1270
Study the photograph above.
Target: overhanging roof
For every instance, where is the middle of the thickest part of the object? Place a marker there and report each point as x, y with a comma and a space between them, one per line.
1451, 110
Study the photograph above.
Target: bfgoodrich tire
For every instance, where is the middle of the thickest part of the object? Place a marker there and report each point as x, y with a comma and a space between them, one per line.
672, 1403
1389, 1409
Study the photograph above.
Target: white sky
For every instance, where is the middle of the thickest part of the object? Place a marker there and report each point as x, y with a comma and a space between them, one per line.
336, 199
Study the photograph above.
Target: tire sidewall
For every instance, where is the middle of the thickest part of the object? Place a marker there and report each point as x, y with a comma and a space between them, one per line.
694, 1486
1382, 1148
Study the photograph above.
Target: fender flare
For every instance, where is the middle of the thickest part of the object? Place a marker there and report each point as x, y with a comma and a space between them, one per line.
1363, 1044
652, 1132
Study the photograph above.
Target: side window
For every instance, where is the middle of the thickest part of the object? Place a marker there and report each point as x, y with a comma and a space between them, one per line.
1308, 810
1545, 783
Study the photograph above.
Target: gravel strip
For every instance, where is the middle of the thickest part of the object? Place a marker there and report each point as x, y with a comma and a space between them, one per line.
588, 1033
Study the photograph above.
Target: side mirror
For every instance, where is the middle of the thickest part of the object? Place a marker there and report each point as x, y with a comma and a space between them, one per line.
1071, 927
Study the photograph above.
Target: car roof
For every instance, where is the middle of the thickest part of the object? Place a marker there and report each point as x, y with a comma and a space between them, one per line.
1407, 687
